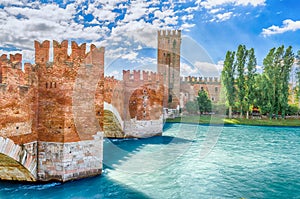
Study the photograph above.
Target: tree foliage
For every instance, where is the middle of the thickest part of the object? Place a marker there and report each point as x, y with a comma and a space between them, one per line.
274, 81
250, 80
228, 80
298, 78
240, 66
204, 103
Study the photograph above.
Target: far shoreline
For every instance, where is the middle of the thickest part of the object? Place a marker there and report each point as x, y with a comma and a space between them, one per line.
219, 121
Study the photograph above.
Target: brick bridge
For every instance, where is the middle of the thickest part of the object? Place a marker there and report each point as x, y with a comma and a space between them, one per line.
54, 115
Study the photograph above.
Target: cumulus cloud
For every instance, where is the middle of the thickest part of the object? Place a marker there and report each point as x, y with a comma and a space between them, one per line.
287, 25
188, 70
201, 69
222, 17
222, 10
209, 4
110, 23
115, 73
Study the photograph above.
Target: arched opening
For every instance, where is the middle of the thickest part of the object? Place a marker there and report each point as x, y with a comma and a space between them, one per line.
10, 169
111, 126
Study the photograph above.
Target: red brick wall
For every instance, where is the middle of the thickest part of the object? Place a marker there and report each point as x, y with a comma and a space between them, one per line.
17, 98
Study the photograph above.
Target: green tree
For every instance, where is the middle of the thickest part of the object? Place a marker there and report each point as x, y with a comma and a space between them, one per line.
288, 61
250, 81
298, 78
241, 84
274, 82
266, 95
228, 80
204, 103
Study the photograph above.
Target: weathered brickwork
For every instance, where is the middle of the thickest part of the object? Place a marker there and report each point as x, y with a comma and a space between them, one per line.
138, 99
53, 113
18, 97
168, 64
51, 108
73, 160
190, 86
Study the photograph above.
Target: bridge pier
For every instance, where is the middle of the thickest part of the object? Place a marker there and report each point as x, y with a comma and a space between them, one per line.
69, 161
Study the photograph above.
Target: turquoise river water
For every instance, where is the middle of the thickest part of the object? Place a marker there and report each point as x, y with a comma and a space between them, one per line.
188, 161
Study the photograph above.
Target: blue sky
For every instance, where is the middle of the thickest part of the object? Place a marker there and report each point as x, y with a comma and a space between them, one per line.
128, 29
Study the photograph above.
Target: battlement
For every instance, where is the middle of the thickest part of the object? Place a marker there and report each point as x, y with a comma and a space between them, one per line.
141, 76
60, 51
110, 79
41, 51
11, 70
176, 33
14, 62
16, 58
199, 80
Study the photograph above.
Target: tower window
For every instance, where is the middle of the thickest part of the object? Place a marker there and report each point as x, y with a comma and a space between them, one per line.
216, 89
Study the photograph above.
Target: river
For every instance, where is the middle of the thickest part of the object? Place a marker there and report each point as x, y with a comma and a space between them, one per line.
188, 161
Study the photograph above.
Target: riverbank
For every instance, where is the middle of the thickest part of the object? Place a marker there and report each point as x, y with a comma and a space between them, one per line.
216, 119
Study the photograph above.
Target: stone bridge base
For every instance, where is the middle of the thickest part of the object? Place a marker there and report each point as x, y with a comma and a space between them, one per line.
51, 161
70, 161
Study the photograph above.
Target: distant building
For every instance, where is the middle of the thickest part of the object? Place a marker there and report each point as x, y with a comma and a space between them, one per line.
168, 64
190, 86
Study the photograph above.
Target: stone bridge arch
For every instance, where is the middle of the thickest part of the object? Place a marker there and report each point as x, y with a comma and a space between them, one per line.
16, 163
113, 123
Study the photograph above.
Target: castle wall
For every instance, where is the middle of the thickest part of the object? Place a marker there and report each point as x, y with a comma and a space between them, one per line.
49, 111
17, 97
70, 112
190, 86
143, 102
138, 99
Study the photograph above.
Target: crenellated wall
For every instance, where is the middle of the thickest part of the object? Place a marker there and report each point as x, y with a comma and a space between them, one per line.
56, 105
70, 107
18, 95
191, 85
138, 98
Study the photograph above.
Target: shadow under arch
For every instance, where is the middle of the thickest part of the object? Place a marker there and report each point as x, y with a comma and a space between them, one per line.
111, 125
16, 163
10, 169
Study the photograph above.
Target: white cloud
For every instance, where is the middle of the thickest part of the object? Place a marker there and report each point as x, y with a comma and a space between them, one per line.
187, 26
287, 25
23, 22
219, 11
187, 17
130, 56
115, 73
224, 16
199, 69
188, 70
215, 10
136, 11
210, 4
209, 69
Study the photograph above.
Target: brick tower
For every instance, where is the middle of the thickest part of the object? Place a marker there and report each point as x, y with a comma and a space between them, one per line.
168, 64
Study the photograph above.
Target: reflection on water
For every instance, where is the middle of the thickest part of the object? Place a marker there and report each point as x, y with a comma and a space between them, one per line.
248, 162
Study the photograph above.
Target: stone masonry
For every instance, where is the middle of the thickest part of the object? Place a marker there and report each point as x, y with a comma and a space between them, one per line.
51, 114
